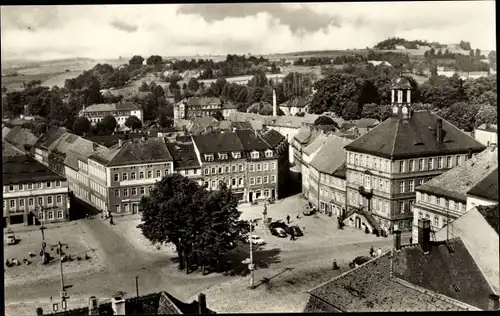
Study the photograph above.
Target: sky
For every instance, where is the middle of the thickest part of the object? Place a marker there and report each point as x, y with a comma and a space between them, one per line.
99, 31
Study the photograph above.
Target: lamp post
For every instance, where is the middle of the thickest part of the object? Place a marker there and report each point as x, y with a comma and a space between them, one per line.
62, 292
251, 257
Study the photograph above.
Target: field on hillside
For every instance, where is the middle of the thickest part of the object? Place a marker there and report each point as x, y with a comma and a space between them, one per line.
60, 79
15, 83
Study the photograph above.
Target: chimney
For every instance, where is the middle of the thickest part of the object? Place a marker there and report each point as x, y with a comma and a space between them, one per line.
275, 109
202, 303
424, 234
493, 146
439, 131
118, 305
493, 302
93, 306
397, 239
39, 311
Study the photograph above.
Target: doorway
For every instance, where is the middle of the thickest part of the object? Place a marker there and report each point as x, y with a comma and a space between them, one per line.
32, 219
358, 222
135, 208
273, 194
250, 197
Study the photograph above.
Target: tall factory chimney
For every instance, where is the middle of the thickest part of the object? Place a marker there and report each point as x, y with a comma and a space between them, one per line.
275, 109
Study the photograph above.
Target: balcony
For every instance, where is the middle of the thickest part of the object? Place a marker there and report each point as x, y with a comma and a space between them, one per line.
365, 193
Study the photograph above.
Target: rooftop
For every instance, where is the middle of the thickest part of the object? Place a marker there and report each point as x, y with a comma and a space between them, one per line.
487, 188
24, 169
218, 142
9, 150
202, 101
47, 139
418, 282
396, 139
490, 214
273, 138
183, 153
315, 144
488, 127
401, 83
19, 137
108, 107
456, 182
111, 140
331, 157
299, 102
251, 140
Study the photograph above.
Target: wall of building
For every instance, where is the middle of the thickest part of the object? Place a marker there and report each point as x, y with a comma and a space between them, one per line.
485, 137
473, 201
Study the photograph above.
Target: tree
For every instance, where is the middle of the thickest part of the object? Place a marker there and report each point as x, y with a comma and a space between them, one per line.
482, 90
158, 91
193, 85
465, 45
144, 87
164, 119
324, 120
133, 122
259, 80
218, 85
218, 116
136, 60
478, 53
462, 114
200, 224
81, 126
4, 89
13, 104
442, 92
107, 125
492, 57
154, 60
486, 114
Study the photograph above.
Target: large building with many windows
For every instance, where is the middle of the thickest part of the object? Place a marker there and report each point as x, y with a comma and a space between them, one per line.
444, 198
385, 165
32, 193
120, 111
121, 175
253, 165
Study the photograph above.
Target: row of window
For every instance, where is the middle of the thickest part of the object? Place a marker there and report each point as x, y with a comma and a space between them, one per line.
335, 195
50, 215
240, 168
31, 201
31, 186
142, 175
329, 179
98, 188
442, 202
237, 155
437, 221
261, 180
133, 191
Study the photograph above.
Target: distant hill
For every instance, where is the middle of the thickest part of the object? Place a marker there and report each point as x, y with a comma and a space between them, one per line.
394, 42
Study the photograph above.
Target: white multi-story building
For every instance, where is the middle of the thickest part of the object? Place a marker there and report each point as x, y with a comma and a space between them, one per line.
121, 112
486, 134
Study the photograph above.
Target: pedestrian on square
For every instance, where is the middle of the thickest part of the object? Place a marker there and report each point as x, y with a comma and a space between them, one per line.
379, 252
111, 220
292, 235
372, 251
334, 265
288, 219
411, 241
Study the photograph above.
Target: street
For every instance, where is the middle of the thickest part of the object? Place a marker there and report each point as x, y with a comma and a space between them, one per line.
123, 260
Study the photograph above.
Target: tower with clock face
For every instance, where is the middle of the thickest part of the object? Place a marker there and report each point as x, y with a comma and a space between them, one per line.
401, 98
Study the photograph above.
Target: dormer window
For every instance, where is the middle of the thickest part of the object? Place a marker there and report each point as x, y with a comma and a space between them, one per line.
255, 155
209, 157
222, 156
236, 155
269, 153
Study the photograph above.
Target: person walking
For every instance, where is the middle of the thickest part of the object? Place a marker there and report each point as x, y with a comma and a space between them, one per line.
372, 251
111, 220
292, 235
334, 265
288, 219
379, 252
411, 241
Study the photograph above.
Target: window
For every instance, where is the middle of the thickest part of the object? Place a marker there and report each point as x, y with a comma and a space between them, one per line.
125, 206
236, 155
386, 207
269, 153
457, 161
273, 165
117, 192
142, 190
240, 181
273, 179
214, 170
266, 166
241, 168
222, 156
446, 203
134, 191
207, 171
209, 157
255, 155
457, 206
58, 199
356, 162
40, 216
420, 182
40, 200
258, 167
233, 182
234, 168
259, 180
167, 172
430, 164
150, 189
402, 166
401, 186
150, 174
448, 162
49, 200
350, 158
252, 181
401, 207
411, 165
440, 163
381, 186
411, 185
50, 215
213, 184
30, 186
12, 203
429, 198
125, 192
436, 221
387, 186
221, 170
20, 187
141, 175
251, 167
266, 179
452, 204
60, 214
411, 204
374, 163
38, 185
158, 173
31, 202
420, 165
124, 176
132, 176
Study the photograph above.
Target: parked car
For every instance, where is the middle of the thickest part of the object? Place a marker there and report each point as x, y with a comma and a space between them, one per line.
309, 211
278, 224
359, 261
296, 231
279, 232
256, 240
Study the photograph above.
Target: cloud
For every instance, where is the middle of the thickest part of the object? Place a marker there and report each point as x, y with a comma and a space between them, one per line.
109, 31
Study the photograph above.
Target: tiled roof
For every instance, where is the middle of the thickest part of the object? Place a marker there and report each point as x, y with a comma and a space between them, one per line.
331, 156
366, 122
139, 151
299, 102
184, 154
488, 127
420, 282
203, 101
251, 140
315, 145
110, 140
487, 188
50, 137
19, 136
273, 138
108, 107
260, 106
456, 182
9, 150
490, 214
24, 169
230, 105
218, 142
395, 139
303, 135
5, 131
401, 83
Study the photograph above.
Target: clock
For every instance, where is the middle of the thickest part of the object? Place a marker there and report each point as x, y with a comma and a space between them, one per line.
405, 110
395, 110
